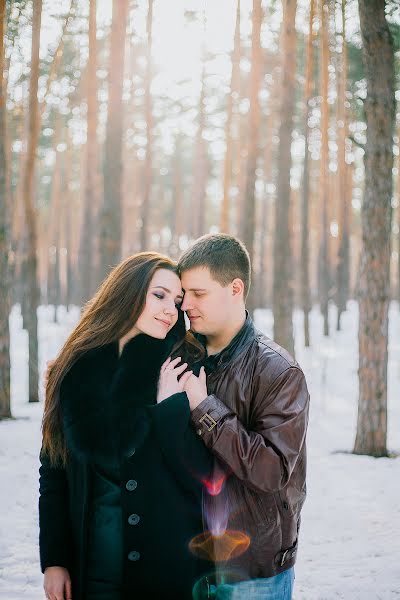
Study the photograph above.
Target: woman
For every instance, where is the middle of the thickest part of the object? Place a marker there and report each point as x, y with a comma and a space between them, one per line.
121, 467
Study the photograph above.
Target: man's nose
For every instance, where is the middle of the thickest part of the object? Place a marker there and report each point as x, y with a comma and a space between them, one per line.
185, 304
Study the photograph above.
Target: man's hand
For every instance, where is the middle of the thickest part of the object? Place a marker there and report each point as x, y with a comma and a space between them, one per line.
57, 584
196, 389
168, 384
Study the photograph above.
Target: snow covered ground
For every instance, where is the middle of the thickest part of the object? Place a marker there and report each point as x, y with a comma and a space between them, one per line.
350, 536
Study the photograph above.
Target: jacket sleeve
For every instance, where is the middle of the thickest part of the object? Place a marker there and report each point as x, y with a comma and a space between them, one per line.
184, 451
264, 457
55, 543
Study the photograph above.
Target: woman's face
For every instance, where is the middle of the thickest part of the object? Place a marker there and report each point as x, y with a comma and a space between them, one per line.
160, 313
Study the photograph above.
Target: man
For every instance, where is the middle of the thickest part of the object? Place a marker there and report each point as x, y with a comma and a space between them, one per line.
250, 406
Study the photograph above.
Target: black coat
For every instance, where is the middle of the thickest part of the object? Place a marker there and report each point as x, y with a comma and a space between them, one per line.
111, 419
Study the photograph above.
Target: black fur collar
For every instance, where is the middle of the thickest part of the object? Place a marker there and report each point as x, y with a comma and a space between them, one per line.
104, 398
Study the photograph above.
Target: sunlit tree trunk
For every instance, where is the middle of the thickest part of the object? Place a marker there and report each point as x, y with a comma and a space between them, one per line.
91, 195
178, 201
111, 227
53, 229
5, 399
28, 194
305, 250
248, 223
200, 164
282, 287
343, 267
67, 225
232, 99
148, 166
323, 259
376, 213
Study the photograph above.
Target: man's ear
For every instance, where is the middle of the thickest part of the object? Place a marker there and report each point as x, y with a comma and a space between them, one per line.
237, 287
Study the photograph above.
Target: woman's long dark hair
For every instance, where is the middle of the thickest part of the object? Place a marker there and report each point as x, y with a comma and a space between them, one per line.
107, 317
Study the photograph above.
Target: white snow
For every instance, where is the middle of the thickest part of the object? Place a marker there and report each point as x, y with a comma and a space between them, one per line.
350, 535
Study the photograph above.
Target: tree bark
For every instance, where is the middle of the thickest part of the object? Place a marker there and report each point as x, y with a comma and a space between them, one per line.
324, 253
248, 224
343, 265
376, 216
148, 166
200, 164
111, 226
5, 304
282, 287
232, 99
305, 250
28, 194
91, 194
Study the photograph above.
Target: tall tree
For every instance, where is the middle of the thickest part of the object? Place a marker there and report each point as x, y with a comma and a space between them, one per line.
5, 400
248, 223
324, 254
91, 194
305, 250
232, 98
282, 286
199, 183
28, 194
376, 216
111, 227
343, 265
148, 166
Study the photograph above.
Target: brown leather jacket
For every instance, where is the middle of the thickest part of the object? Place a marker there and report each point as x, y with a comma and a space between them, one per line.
254, 420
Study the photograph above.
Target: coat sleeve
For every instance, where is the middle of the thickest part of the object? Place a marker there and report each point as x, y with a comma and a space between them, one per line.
55, 543
184, 451
264, 457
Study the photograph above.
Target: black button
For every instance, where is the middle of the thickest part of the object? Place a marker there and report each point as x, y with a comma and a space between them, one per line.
131, 485
134, 555
133, 519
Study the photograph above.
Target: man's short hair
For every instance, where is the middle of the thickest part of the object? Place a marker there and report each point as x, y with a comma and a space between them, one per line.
225, 256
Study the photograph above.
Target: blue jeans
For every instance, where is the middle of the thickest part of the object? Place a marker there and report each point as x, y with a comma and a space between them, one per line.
279, 587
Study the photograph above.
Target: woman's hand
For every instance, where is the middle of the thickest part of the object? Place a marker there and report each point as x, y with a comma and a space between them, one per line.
57, 584
168, 383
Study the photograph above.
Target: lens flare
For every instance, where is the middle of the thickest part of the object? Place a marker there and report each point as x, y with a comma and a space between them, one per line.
219, 548
214, 487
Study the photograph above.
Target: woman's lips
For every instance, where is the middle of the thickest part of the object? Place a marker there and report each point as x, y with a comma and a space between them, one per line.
166, 323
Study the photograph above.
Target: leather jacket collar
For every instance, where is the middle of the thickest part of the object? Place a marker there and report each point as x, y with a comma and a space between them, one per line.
241, 340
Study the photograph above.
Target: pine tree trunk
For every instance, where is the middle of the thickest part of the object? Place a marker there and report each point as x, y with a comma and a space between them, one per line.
179, 205
232, 99
376, 213
53, 231
282, 287
199, 167
343, 267
28, 193
324, 252
5, 304
305, 250
91, 195
148, 166
248, 223
111, 226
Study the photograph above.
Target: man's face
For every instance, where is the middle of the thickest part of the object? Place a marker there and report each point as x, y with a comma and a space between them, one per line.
206, 302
